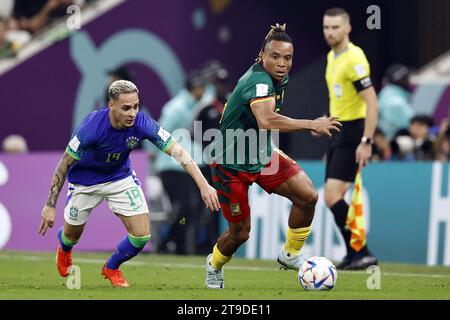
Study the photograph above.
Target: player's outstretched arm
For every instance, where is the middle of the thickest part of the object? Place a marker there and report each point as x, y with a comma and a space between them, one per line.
209, 194
268, 119
59, 177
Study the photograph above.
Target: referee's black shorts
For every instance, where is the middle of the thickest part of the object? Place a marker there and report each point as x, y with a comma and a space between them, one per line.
341, 158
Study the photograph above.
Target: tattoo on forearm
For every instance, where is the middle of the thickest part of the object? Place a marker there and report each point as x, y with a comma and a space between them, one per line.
59, 177
186, 162
181, 157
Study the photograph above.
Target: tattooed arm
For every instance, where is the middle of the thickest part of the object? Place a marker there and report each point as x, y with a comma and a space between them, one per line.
59, 177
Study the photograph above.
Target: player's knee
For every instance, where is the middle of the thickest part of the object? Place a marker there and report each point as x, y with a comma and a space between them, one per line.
139, 239
139, 231
314, 197
241, 236
310, 199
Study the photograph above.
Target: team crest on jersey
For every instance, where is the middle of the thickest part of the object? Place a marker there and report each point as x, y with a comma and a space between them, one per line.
235, 209
73, 213
132, 142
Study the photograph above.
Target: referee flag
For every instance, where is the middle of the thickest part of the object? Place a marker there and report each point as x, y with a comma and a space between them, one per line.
355, 217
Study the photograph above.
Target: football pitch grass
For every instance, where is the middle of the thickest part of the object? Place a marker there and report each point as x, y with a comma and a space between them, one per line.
31, 275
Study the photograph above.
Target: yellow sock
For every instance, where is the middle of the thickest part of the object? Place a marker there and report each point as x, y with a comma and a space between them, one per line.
218, 259
295, 238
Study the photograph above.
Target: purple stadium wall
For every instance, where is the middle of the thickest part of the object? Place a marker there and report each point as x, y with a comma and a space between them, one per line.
24, 187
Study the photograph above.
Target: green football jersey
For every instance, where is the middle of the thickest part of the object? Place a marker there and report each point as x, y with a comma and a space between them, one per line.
242, 145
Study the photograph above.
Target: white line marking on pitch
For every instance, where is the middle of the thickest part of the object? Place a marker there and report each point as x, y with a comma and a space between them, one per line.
196, 266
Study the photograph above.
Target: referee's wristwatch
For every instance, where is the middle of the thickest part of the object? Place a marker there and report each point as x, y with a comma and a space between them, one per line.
366, 140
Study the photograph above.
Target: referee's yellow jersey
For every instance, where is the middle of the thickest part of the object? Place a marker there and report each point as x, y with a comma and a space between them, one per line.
347, 74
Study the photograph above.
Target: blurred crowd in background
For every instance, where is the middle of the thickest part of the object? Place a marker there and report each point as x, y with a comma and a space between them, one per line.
21, 20
401, 134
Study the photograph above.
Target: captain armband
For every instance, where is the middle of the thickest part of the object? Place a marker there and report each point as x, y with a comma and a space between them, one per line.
362, 84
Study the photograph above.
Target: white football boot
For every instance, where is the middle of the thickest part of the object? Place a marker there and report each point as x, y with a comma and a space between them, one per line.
288, 261
214, 278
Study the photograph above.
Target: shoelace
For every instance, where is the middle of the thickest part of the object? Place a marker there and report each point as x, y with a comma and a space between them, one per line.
217, 275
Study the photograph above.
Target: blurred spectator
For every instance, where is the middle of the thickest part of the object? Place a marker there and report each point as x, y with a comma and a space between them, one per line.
442, 142
33, 15
179, 234
120, 73
208, 112
414, 143
217, 76
14, 143
210, 70
381, 147
7, 48
394, 108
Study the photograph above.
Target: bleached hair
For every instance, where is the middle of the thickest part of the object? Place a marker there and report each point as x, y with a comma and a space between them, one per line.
121, 86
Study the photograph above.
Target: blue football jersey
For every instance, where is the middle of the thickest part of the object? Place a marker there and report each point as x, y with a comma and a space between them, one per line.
103, 151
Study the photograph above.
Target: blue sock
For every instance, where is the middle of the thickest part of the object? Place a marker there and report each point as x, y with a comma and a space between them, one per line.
66, 244
124, 252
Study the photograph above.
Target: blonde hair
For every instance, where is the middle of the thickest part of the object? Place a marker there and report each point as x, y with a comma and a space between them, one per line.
121, 86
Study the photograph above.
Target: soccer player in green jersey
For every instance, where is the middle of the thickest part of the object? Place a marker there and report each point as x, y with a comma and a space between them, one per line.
244, 154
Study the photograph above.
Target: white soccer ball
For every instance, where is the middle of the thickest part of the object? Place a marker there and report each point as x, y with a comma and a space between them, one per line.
317, 274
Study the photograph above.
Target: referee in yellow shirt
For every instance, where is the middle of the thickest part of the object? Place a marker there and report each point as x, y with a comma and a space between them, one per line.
353, 100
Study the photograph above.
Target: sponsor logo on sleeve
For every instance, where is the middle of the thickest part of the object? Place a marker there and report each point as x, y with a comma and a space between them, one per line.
163, 134
360, 70
74, 143
262, 89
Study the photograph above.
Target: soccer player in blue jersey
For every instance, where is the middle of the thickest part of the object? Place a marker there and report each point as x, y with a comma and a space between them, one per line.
97, 166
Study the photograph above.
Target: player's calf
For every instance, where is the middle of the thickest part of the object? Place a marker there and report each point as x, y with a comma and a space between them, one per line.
128, 248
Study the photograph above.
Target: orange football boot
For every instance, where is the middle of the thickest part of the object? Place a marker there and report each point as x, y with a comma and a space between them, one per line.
63, 261
115, 276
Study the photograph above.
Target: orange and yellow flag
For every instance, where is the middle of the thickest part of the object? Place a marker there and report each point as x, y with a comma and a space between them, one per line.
355, 217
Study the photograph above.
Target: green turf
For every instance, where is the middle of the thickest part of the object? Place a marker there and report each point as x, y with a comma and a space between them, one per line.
25, 275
